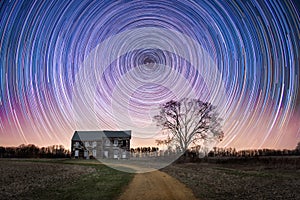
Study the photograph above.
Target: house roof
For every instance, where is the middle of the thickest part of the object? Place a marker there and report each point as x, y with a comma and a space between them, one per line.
98, 135
117, 133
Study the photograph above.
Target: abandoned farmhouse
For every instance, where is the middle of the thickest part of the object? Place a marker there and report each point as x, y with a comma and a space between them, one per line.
101, 144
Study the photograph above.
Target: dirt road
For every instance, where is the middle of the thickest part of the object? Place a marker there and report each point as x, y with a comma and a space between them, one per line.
156, 185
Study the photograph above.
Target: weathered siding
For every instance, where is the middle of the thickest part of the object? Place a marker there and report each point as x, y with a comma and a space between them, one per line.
113, 148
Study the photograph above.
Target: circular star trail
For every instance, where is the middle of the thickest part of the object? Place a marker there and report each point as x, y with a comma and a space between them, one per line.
68, 65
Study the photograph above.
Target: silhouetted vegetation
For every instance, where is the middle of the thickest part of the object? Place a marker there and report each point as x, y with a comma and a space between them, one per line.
189, 122
33, 151
144, 152
193, 154
277, 157
232, 152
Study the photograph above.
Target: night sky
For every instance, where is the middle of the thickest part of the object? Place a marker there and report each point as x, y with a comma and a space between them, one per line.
100, 65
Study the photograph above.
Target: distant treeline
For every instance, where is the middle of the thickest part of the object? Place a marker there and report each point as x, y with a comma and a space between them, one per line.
59, 151
144, 151
33, 151
198, 152
268, 157
232, 152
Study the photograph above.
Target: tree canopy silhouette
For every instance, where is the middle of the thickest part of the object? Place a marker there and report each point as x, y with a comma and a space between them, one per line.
189, 121
298, 146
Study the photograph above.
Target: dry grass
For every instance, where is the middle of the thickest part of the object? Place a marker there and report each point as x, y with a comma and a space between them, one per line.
233, 181
59, 179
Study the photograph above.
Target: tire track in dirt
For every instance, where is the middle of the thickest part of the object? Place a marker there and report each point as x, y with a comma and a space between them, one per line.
156, 185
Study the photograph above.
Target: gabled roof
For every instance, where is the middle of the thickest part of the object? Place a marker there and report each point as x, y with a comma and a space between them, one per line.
117, 133
98, 135
87, 135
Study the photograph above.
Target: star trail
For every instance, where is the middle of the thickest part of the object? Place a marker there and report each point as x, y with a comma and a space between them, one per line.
89, 65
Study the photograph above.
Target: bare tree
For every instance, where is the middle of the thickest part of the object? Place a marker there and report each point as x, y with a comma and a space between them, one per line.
189, 121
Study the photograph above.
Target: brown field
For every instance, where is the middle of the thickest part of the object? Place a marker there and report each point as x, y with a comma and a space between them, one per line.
18, 179
266, 178
59, 179
270, 180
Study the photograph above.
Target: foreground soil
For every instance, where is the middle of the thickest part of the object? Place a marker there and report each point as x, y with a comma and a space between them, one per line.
232, 181
20, 178
66, 179
156, 185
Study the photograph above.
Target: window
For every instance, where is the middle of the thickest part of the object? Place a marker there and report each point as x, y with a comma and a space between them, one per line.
115, 142
94, 153
105, 154
76, 144
116, 153
86, 144
107, 142
94, 144
86, 154
124, 154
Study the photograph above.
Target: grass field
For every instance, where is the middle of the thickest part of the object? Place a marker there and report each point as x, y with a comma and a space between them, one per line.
238, 180
266, 178
60, 179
